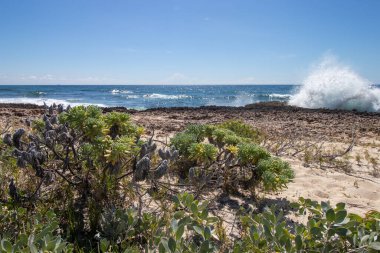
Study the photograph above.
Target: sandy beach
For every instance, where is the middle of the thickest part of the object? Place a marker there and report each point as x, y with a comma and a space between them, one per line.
294, 134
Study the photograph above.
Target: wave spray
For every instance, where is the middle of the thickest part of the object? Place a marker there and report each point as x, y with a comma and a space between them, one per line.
335, 86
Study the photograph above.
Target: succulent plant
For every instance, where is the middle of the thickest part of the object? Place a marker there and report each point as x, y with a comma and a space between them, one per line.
142, 169
192, 173
48, 125
7, 139
51, 110
13, 191
54, 120
168, 154
161, 170
21, 162
17, 137
60, 108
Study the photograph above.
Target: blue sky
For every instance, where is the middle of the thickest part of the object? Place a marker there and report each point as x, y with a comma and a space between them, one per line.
183, 41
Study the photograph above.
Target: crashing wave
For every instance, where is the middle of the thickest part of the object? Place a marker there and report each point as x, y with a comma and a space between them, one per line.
334, 86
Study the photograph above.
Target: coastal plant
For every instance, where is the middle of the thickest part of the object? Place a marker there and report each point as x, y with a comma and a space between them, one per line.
328, 229
80, 157
188, 228
23, 232
229, 156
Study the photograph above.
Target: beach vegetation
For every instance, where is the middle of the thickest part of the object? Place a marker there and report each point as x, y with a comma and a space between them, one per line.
80, 180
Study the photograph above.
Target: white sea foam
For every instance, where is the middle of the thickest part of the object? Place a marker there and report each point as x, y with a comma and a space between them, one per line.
335, 86
116, 91
40, 93
132, 96
163, 96
281, 96
40, 101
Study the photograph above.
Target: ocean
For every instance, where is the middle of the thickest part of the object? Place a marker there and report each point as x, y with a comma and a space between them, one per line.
146, 96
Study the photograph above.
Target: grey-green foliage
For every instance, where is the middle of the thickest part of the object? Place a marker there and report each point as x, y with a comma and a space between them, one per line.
36, 233
189, 228
328, 229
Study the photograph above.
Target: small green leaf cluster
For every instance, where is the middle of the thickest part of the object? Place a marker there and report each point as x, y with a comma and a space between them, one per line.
243, 130
250, 153
275, 173
328, 229
203, 152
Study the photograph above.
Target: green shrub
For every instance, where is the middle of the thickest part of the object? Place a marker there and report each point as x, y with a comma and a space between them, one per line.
228, 153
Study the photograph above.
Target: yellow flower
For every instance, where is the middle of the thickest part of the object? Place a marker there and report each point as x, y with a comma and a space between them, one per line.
232, 149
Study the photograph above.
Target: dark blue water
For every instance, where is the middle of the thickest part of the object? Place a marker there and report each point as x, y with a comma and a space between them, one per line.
145, 96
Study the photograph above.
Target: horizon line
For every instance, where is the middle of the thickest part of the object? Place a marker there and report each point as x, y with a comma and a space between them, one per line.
162, 84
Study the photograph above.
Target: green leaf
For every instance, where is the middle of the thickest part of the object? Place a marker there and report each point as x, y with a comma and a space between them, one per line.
104, 244
172, 244
198, 230
179, 214
31, 245
330, 215
174, 225
340, 206
298, 241
164, 243
180, 231
161, 248
315, 231
342, 231
207, 233
212, 219
340, 216
205, 247
6, 246
204, 214
184, 221
194, 208
375, 245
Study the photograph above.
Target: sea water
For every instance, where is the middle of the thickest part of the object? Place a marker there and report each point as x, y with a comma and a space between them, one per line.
145, 96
